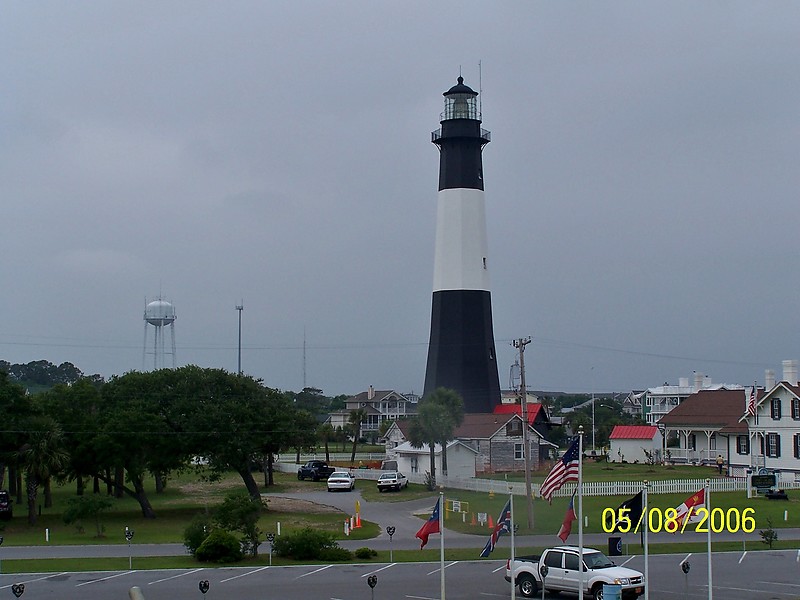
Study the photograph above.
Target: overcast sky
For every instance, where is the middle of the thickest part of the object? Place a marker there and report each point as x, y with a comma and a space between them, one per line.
641, 185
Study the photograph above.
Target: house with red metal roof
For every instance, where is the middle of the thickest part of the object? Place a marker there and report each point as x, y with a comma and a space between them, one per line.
635, 444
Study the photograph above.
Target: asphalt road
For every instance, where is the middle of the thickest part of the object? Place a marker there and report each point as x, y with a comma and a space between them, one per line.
736, 576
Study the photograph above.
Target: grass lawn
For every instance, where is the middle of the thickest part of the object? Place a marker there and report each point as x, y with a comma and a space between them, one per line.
186, 495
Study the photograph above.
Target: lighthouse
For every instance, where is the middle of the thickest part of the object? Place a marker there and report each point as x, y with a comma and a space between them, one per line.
461, 353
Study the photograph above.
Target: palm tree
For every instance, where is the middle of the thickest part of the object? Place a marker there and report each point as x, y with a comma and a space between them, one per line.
429, 427
42, 456
355, 419
326, 433
453, 404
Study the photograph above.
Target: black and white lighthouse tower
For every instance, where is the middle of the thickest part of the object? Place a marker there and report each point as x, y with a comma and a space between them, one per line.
461, 353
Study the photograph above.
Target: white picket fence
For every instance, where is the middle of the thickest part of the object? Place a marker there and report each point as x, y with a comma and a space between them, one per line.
593, 488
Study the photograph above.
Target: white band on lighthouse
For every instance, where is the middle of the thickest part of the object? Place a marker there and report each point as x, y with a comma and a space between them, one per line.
460, 261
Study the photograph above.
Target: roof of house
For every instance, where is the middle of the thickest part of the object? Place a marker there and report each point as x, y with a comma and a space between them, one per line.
377, 396
407, 448
633, 432
710, 408
516, 409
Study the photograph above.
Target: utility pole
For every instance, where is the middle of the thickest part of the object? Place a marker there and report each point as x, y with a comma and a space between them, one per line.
526, 450
240, 308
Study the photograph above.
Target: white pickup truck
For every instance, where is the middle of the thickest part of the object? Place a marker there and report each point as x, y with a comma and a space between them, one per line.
563, 574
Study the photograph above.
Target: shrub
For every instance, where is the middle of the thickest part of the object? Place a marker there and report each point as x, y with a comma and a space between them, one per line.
366, 553
335, 554
196, 533
86, 507
220, 547
240, 512
305, 544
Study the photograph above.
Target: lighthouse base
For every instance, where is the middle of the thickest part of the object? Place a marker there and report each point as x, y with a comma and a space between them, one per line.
461, 353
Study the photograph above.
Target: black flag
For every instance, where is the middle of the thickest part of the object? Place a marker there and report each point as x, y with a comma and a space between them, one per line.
634, 513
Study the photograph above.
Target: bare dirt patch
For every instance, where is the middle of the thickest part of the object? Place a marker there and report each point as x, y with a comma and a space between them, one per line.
296, 505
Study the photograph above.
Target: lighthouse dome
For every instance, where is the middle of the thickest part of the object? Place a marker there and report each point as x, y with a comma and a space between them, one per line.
460, 88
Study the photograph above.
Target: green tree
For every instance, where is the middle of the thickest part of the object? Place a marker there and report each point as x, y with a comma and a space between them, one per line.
326, 434
42, 456
355, 419
16, 409
453, 404
87, 507
239, 512
429, 426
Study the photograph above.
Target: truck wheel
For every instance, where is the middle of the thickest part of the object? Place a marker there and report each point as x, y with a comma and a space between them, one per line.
300, 476
527, 585
597, 592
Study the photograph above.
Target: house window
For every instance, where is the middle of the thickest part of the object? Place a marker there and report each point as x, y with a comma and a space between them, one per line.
414, 464
742, 444
518, 453
691, 442
796, 409
514, 428
796, 445
776, 408
712, 442
773, 445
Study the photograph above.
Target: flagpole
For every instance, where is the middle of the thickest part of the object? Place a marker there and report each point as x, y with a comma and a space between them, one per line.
441, 543
511, 504
708, 508
646, 517
580, 512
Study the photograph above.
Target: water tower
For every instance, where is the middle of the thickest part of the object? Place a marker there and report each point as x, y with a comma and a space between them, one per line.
159, 314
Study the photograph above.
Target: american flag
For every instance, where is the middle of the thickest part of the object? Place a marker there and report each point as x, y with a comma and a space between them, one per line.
503, 526
751, 403
566, 469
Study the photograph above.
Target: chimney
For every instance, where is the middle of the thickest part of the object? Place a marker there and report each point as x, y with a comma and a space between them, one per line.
790, 371
769, 379
370, 393
698, 381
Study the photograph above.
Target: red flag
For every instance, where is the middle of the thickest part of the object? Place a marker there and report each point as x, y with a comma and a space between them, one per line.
687, 509
430, 526
566, 525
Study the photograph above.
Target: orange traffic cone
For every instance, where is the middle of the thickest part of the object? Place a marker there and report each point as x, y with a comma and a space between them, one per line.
358, 520
491, 522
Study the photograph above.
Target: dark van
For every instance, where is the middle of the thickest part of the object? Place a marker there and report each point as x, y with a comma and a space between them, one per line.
6, 511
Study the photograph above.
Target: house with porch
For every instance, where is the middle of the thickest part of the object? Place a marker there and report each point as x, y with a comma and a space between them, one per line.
380, 406
495, 438
770, 438
706, 425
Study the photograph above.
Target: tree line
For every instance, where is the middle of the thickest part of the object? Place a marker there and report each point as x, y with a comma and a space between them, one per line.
116, 434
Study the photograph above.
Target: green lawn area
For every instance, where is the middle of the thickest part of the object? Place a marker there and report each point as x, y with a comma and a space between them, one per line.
186, 495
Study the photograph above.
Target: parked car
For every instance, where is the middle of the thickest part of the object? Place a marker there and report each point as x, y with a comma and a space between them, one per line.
341, 480
314, 470
563, 574
6, 506
392, 480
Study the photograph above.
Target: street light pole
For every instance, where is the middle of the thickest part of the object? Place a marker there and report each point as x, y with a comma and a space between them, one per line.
240, 307
520, 344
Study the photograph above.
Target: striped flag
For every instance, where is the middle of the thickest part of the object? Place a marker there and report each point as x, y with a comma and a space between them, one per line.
430, 526
751, 403
503, 526
687, 510
566, 469
569, 517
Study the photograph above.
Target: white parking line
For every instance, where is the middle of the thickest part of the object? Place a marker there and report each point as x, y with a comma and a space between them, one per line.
314, 571
776, 583
42, 578
244, 574
627, 561
175, 576
743, 555
500, 568
378, 570
437, 570
104, 578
